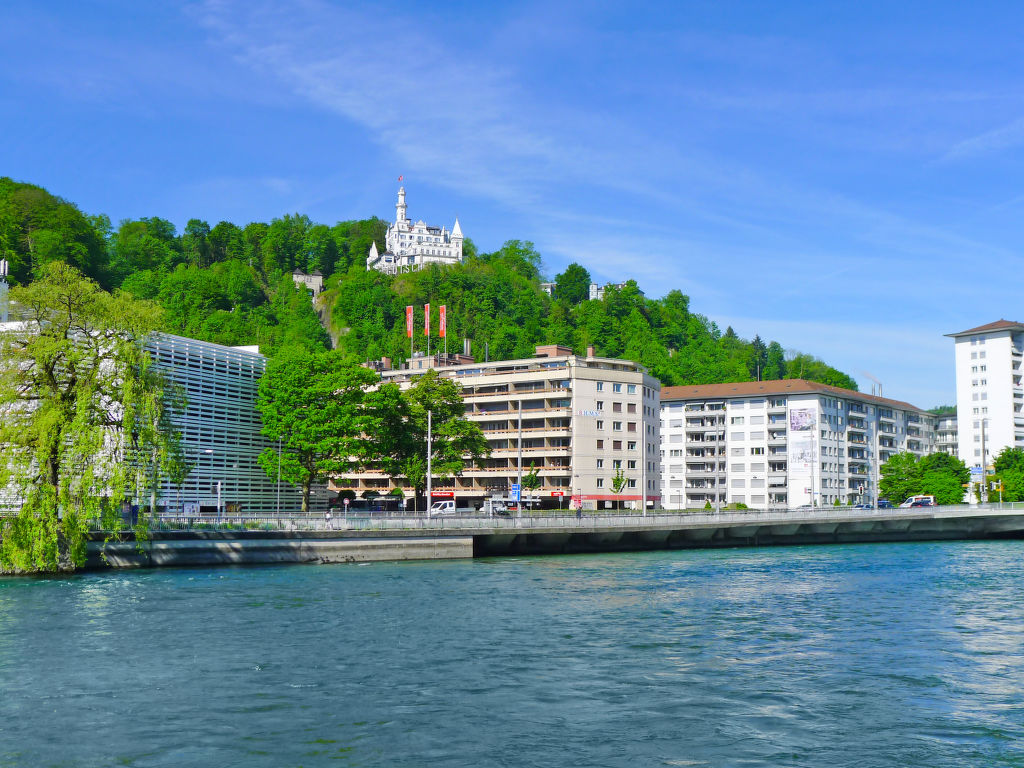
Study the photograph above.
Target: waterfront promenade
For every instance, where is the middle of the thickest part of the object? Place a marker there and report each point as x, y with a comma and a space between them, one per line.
381, 537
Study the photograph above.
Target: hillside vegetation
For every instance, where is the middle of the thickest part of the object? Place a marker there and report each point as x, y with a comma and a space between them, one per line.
232, 285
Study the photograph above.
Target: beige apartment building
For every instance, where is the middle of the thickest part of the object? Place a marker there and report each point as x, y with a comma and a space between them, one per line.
583, 419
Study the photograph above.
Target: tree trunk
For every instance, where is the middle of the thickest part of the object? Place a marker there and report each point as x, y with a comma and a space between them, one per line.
307, 483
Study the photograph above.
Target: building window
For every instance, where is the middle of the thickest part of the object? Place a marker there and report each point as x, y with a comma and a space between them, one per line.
600, 463
600, 386
631, 445
736, 420
631, 389
631, 426
616, 387
757, 451
631, 408
616, 463
632, 484
616, 407
631, 464
600, 405
616, 426
600, 424
600, 482
617, 445
600, 445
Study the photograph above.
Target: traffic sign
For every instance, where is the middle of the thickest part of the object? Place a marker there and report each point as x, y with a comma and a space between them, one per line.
514, 491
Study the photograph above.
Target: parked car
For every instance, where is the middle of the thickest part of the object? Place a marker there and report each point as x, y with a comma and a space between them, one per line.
922, 503
884, 504
494, 507
438, 508
862, 506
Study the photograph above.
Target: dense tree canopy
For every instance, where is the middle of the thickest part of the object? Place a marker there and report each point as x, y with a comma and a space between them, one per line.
937, 474
230, 284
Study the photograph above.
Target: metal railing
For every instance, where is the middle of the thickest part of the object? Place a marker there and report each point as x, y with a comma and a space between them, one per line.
478, 522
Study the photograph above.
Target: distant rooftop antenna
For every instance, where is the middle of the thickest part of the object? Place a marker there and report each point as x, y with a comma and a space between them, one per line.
875, 385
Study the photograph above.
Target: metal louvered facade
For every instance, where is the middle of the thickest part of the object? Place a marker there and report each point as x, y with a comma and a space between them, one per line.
220, 432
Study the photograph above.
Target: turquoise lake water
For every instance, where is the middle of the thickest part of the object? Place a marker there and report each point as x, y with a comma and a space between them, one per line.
866, 655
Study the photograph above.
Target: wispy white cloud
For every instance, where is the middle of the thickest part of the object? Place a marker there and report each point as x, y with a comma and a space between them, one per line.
990, 142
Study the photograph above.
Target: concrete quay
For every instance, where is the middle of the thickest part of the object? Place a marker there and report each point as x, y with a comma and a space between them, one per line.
229, 548
368, 539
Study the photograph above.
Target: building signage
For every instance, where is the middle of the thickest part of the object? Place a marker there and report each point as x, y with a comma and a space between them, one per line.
558, 493
514, 491
442, 494
592, 414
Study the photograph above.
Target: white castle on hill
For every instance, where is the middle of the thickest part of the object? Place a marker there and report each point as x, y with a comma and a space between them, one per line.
411, 246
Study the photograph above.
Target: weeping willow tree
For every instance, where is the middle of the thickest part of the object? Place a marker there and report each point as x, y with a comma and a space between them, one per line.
83, 416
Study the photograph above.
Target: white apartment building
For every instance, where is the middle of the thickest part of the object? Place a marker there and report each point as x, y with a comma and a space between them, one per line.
412, 246
583, 420
783, 443
946, 435
989, 390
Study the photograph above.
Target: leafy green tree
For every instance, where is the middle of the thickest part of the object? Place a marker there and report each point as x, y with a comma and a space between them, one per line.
227, 242
37, 228
946, 464
145, 245
395, 423
944, 485
1010, 459
312, 403
82, 410
775, 363
900, 477
1013, 484
619, 483
531, 480
195, 242
573, 285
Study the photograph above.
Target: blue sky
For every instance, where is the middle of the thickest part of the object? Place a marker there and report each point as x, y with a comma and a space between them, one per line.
842, 177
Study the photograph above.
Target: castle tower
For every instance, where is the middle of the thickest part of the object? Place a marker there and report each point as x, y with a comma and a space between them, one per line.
400, 206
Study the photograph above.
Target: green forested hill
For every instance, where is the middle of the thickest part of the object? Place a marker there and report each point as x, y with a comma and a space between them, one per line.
232, 285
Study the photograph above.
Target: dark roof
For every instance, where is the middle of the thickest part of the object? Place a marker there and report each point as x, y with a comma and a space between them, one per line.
776, 387
998, 325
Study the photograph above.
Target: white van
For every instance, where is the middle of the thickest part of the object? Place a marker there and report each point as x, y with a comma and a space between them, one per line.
446, 507
919, 501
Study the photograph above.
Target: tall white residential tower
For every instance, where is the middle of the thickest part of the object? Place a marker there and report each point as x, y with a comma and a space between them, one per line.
989, 391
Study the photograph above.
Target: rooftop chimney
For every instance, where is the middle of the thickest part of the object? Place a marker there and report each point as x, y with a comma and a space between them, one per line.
590, 351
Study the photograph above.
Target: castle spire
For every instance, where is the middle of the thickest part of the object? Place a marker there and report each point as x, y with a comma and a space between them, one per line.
400, 207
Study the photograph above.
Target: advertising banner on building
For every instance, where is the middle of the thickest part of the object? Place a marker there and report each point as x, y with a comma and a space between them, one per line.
426, 319
408, 321
442, 321
803, 423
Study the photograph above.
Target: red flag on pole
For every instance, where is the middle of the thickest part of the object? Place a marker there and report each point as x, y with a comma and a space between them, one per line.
443, 321
408, 321
426, 319
401, 177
